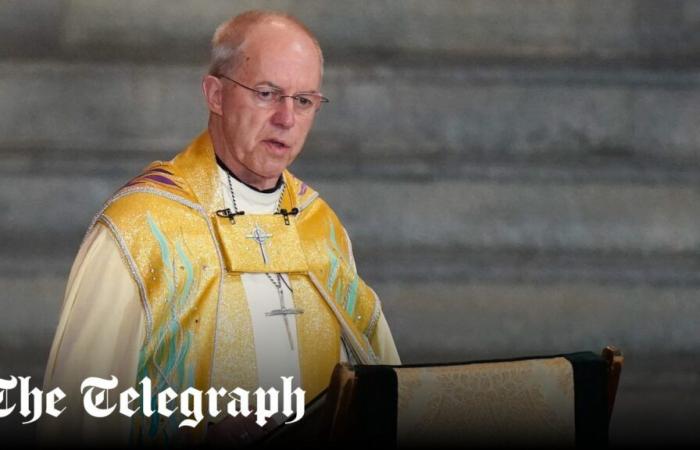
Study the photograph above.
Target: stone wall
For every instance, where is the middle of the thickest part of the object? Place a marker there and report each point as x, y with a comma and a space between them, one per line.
518, 177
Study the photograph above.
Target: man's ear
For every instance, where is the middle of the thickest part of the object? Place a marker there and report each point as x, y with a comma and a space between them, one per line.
211, 87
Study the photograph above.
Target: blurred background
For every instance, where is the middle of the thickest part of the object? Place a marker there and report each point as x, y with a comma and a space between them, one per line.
518, 177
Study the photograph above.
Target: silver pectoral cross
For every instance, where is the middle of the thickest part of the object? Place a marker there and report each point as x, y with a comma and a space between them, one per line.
283, 311
260, 236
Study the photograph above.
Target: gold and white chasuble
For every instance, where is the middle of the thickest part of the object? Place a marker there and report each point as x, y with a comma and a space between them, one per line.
189, 260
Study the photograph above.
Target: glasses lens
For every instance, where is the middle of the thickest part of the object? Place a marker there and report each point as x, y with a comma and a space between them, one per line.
267, 96
306, 102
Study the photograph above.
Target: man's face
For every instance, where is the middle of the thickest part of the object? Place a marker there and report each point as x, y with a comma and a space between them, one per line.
265, 140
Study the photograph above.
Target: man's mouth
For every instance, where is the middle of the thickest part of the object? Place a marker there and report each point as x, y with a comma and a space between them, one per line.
276, 144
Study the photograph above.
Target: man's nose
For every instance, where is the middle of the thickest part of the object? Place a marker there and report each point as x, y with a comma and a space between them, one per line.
284, 113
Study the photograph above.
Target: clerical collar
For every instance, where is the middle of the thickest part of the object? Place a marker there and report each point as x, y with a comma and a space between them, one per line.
262, 191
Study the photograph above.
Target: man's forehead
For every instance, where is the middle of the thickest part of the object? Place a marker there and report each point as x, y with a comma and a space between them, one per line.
271, 51
269, 36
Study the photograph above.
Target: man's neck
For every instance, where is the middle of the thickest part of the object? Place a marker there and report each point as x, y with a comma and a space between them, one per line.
247, 177
223, 165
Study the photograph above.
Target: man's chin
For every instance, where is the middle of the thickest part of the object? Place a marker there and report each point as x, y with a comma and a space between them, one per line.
272, 173
275, 165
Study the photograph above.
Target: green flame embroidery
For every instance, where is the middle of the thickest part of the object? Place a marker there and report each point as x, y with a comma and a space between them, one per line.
166, 362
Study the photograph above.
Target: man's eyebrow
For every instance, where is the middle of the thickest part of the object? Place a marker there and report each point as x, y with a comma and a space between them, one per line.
270, 84
274, 86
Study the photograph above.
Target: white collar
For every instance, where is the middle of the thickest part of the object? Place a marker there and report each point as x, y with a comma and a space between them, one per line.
248, 199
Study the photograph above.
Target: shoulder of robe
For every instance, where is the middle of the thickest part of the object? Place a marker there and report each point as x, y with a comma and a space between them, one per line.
321, 229
317, 217
159, 177
163, 233
151, 210
158, 188
303, 195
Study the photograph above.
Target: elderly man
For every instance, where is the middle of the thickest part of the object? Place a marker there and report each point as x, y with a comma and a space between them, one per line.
219, 267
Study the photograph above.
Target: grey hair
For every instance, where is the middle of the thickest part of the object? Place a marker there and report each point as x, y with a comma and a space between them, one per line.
223, 58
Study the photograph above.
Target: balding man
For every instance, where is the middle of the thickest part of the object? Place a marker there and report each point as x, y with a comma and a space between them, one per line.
219, 268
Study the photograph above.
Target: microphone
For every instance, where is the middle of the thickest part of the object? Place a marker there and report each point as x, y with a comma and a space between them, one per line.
230, 214
286, 214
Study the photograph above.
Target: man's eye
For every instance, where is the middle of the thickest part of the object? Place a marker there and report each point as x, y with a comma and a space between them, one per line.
305, 101
266, 94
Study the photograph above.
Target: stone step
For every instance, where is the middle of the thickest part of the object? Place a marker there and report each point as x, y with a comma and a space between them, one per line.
529, 217
51, 253
377, 113
483, 29
486, 320
314, 164
470, 319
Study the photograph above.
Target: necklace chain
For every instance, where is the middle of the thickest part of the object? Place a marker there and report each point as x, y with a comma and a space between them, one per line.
233, 197
278, 285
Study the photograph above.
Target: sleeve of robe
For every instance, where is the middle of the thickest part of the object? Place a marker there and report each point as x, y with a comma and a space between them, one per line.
382, 341
100, 332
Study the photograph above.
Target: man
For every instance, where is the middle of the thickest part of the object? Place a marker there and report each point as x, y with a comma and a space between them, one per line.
219, 268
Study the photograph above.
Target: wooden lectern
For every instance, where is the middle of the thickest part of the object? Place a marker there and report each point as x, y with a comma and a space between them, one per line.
554, 400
